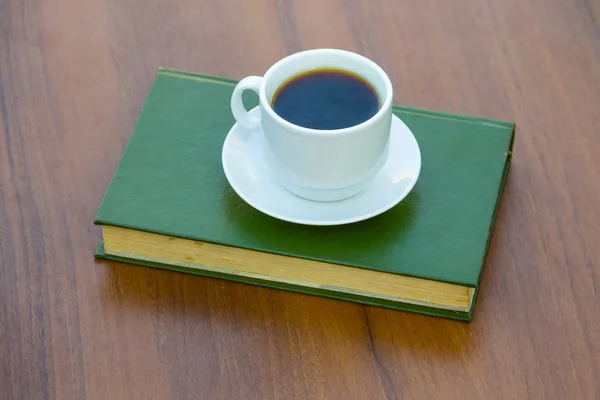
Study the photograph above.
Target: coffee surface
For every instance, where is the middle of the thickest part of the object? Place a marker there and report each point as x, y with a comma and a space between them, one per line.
326, 99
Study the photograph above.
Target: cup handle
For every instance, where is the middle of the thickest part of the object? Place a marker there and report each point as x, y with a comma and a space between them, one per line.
241, 115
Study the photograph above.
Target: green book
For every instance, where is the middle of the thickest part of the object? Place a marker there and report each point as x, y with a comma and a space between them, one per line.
170, 206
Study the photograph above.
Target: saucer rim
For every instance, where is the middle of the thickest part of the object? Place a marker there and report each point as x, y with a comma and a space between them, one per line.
346, 221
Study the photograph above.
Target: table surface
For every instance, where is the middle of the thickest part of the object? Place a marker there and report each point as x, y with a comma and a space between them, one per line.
73, 77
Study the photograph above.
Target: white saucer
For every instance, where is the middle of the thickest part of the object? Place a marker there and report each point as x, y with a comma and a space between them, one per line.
251, 178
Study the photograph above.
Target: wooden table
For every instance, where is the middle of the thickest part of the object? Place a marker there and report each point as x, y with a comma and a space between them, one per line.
73, 77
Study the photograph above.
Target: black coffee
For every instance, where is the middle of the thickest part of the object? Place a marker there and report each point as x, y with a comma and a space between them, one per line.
326, 99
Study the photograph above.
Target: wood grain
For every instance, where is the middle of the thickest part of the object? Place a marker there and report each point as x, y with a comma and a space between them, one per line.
73, 76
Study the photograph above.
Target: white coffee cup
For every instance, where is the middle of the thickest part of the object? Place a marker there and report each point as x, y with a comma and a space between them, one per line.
320, 165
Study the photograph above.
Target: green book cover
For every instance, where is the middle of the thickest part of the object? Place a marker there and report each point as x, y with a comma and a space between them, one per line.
170, 181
